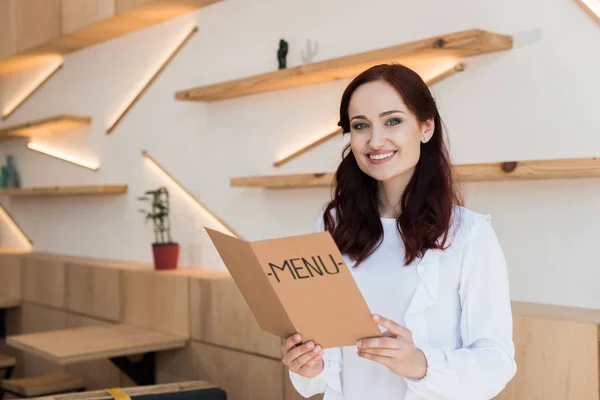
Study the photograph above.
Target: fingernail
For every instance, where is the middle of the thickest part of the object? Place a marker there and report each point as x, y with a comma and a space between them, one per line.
297, 338
310, 345
317, 349
376, 317
358, 344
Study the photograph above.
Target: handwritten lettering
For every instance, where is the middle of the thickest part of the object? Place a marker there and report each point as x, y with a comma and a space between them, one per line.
302, 268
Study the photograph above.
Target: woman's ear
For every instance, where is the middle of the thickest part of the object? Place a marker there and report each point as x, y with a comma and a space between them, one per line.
427, 129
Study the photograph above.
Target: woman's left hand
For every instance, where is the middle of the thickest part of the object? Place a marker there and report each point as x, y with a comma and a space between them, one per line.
395, 350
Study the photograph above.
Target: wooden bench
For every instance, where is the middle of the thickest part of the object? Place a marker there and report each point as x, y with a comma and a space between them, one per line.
44, 385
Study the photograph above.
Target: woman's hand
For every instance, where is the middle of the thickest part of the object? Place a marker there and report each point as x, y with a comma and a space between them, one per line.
305, 359
395, 350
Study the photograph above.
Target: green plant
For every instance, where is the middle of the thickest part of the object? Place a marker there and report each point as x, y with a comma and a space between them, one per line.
159, 214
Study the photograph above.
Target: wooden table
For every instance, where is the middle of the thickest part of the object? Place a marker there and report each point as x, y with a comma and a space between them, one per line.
113, 341
6, 302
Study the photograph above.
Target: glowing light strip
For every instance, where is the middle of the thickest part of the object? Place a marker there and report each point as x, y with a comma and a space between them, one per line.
304, 149
432, 80
62, 156
27, 243
592, 7
444, 73
190, 196
151, 80
28, 92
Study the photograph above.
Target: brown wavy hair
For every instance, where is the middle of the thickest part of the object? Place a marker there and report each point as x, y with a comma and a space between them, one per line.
352, 216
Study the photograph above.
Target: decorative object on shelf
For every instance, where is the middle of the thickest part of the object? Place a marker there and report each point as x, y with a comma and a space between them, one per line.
9, 178
164, 250
310, 53
282, 54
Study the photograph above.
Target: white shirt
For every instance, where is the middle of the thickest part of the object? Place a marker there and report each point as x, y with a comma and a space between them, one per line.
456, 304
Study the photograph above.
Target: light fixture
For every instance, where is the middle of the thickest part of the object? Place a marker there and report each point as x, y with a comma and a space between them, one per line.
309, 146
444, 71
32, 87
151, 80
207, 213
62, 156
434, 76
27, 243
592, 7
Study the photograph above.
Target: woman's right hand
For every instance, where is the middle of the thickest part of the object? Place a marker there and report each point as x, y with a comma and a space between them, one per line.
305, 359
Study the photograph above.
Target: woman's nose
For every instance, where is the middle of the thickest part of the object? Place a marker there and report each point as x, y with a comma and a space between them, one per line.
377, 139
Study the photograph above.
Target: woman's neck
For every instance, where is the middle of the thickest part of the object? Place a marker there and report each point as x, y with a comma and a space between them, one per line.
389, 194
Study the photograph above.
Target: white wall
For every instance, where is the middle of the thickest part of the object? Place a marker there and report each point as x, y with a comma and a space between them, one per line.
536, 101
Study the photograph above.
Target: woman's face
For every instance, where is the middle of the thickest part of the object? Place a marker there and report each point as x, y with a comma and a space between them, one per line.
385, 136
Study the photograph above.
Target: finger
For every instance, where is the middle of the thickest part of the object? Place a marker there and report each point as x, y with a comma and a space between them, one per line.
392, 326
379, 343
290, 342
387, 361
380, 352
297, 352
301, 361
313, 361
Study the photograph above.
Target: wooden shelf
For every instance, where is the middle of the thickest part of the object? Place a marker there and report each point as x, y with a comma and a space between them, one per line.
72, 26
428, 51
541, 169
65, 191
45, 125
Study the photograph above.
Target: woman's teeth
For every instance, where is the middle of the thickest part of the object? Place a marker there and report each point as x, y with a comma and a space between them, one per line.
381, 156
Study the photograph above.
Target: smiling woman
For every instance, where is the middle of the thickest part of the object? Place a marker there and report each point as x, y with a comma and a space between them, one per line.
396, 149
431, 271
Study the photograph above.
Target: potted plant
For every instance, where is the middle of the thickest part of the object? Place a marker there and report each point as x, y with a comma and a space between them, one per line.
164, 250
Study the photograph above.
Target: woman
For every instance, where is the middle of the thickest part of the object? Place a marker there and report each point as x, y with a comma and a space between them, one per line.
431, 271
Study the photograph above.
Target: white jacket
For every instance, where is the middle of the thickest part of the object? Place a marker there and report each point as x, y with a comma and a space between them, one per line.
460, 317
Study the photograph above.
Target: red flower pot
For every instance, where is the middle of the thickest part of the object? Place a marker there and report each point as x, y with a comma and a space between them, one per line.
165, 255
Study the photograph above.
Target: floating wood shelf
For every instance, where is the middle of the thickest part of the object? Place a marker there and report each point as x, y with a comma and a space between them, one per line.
45, 125
423, 52
65, 191
72, 26
542, 169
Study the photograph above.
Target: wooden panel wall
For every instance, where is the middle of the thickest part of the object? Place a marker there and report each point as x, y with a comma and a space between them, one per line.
556, 360
10, 275
8, 35
37, 22
94, 291
77, 14
44, 281
243, 376
220, 315
156, 301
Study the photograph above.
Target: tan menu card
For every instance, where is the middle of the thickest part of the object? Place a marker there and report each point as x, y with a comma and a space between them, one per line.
298, 284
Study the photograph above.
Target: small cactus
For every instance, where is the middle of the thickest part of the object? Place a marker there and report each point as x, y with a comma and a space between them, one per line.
310, 53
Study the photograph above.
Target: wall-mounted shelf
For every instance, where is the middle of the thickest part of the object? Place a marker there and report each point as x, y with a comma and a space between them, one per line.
71, 26
45, 125
542, 169
65, 191
428, 51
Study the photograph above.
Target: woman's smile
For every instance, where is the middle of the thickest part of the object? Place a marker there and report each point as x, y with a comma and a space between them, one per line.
381, 156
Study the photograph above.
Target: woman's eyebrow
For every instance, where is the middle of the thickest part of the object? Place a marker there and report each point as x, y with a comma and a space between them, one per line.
383, 114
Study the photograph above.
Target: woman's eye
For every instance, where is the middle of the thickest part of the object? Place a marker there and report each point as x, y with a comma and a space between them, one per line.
394, 121
360, 126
